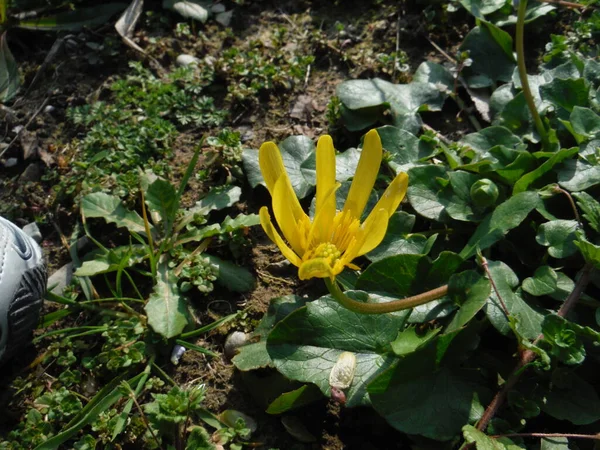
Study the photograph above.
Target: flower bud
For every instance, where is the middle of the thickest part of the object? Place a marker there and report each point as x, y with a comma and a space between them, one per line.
484, 193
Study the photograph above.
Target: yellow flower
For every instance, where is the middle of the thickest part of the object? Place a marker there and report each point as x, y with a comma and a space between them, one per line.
324, 246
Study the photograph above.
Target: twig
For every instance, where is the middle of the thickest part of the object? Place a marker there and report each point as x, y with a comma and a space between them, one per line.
595, 437
528, 356
440, 136
565, 4
397, 47
486, 269
35, 114
142, 415
560, 190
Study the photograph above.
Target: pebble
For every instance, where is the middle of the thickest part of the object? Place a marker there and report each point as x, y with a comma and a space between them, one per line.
186, 60
60, 279
233, 342
11, 162
49, 109
33, 231
33, 172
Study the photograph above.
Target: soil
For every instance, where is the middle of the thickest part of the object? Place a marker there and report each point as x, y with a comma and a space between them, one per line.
72, 78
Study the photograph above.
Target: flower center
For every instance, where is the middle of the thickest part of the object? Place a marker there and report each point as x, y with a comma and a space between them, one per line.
326, 250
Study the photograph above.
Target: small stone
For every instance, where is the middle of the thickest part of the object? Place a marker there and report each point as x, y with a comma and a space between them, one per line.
218, 8
11, 162
33, 172
60, 279
49, 109
233, 342
224, 18
210, 60
33, 231
186, 60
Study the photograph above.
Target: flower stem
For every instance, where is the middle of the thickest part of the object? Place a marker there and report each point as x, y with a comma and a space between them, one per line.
382, 308
523, 74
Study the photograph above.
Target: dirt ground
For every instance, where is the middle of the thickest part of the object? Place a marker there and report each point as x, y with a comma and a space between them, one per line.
70, 79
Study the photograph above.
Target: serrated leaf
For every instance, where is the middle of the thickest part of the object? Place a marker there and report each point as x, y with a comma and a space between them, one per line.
563, 339
9, 72
543, 282
111, 209
590, 208
529, 320
166, 309
504, 218
559, 237
319, 332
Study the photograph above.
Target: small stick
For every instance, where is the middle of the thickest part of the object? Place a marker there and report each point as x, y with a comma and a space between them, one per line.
560, 190
595, 437
486, 268
35, 114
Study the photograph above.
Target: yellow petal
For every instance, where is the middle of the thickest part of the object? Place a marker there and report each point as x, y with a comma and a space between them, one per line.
271, 164
273, 170
366, 174
373, 231
315, 268
291, 228
325, 179
265, 221
393, 195
322, 226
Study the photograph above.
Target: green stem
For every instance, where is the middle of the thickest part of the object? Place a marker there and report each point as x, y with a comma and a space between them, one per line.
382, 308
523, 75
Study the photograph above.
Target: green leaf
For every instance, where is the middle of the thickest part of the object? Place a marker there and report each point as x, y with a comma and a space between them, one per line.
219, 197
9, 72
399, 240
76, 19
102, 401
298, 154
404, 100
199, 439
490, 137
110, 208
393, 275
480, 439
572, 398
529, 320
414, 395
585, 121
590, 208
432, 197
408, 341
543, 282
504, 218
161, 197
307, 343
254, 355
559, 237
405, 148
555, 159
104, 261
232, 276
471, 291
489, 57
563, 340
166, 308
578, 175
589, 251
566, 93
554, 443
294, 399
